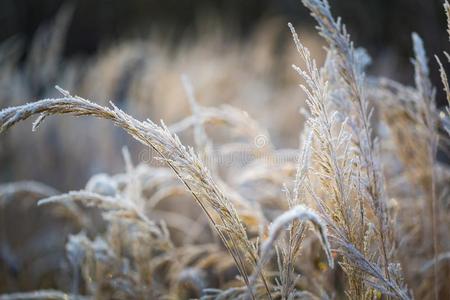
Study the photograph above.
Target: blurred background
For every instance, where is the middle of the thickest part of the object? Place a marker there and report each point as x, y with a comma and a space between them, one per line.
382, 26
133, 53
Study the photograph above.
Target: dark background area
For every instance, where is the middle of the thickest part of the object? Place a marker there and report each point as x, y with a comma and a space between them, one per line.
374, 23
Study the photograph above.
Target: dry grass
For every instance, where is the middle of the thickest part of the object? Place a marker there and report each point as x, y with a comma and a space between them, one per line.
365, 178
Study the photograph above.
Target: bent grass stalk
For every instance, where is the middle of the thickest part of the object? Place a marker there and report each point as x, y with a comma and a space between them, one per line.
184, 162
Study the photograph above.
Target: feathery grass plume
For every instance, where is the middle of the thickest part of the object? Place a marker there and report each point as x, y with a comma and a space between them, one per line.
302, 167
447, 13
333, 158
297, 228
443, 74
426, 117
351, 71
184, 162
444, 78
336, 158
412, 119
424, 87
445, 117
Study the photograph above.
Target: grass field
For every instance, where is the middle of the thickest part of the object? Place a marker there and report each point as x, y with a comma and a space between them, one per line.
316, 182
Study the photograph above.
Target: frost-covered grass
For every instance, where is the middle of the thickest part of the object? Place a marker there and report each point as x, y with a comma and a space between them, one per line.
365, 180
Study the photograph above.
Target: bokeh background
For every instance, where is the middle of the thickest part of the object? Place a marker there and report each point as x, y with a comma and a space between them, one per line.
382, 26
133, 53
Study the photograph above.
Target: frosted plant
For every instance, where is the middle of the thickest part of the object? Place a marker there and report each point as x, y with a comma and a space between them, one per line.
355, 189
366, 177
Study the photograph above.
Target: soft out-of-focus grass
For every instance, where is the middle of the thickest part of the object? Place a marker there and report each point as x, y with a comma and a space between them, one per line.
143, 77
